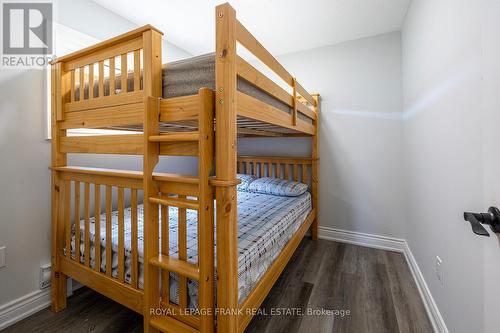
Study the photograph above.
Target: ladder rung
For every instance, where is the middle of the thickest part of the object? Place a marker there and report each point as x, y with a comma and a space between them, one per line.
181, 136
175, 202
171, 325
175, 178
181, 267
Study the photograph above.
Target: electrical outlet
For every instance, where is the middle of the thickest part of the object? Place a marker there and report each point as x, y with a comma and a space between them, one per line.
45, 276
2, 256
439, 270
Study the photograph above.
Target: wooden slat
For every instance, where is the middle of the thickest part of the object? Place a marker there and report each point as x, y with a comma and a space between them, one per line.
72, 86
97, 230
304, 174
179, 266
129, 179
205, 226
253, 45
175, 178
77, 222
306, 95
179, 188
112, 76
109, 43
295, 173
180, 202
101, 171
120, 292
91, 81
127, 144
109, 231
181, 136
182, 244
110, 179
134, 241
121, 234
124, 47
276, 159
183, 148
86, 242
253, 108
122, 115
254, 76
257, 133
101, 78
165, 251
306, 111
124, 73
179, 108
137, 70
105, 101
82, 84
67, 217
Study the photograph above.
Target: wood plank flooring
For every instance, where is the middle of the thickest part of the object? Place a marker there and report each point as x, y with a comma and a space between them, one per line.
375, 286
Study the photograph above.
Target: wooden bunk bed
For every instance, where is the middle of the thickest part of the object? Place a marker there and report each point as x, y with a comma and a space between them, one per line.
85, 95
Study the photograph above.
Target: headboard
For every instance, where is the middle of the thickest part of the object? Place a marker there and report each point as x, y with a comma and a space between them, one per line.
291, 168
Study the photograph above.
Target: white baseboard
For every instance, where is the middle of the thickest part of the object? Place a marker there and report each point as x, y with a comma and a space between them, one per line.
430, 305
391, 244
362, 239
25, 306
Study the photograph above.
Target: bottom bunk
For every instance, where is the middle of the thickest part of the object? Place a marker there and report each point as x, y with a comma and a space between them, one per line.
273, 214
266, 223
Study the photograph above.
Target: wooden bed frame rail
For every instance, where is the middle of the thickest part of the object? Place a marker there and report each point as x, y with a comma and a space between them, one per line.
118, 83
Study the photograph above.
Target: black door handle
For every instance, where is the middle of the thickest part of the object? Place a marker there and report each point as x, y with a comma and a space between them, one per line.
492, 217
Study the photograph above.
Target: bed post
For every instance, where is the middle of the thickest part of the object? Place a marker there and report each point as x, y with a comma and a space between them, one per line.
206, 212
227, 227
315, 163
152, 82
58, 283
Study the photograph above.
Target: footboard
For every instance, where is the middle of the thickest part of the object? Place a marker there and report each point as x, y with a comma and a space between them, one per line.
91, 210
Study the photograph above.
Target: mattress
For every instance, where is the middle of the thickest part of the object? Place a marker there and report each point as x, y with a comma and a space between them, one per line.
265, 224
185, 77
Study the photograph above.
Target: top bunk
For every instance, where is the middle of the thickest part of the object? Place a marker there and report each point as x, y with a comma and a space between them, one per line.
119, 75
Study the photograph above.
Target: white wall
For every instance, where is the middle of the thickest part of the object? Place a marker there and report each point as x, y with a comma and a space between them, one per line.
490, 12
25, 177
451, 79
360, 132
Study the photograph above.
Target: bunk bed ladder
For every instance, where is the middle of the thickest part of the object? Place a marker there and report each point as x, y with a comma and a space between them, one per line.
184, 193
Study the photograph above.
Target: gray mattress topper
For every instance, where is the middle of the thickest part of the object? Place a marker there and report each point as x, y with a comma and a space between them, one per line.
185, 77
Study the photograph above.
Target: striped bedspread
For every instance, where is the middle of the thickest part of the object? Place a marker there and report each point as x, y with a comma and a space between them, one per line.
265, 224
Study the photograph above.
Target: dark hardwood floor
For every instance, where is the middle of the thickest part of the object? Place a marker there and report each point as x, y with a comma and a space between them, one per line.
326, 287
